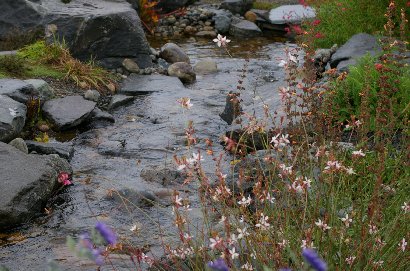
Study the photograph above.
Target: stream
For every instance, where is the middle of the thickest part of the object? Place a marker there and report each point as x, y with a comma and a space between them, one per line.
146, 134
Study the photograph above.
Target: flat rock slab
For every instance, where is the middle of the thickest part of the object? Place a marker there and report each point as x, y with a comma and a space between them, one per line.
12, 118
27, 182
356, 47
63, 150
245, 29
68, 112
16, 89
292, 14
144, 84
118, 100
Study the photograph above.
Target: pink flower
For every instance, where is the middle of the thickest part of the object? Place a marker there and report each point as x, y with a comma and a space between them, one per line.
316, 22
221, 41
64, 178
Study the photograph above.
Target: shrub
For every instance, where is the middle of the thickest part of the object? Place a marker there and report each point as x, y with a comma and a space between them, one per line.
342, 19
12, 65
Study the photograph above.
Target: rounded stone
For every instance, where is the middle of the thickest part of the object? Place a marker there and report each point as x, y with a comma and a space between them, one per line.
173, 53
183, 71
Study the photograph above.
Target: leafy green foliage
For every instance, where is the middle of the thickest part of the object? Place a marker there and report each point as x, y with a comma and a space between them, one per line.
366, 78
342, 19
12, 65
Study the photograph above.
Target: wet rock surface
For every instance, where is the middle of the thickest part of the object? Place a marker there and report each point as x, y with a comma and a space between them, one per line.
27, 182
173, 53
245, 29
17, 89
64, 150
183, 71
237, 6
140, 84
68, 112
135, 154
12, 118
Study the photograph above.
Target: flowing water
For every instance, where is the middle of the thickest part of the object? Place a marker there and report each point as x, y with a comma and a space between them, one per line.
152, 128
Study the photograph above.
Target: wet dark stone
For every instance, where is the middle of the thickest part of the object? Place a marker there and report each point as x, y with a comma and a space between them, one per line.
17, 89
232, 108
12, 118
141, 84
27, 182
64, 150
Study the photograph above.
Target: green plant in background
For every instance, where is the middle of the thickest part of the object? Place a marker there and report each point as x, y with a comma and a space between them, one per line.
13, 65
342, 19
366, 76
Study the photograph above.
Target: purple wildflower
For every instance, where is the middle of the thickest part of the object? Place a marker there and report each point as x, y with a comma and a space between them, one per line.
96, 253
218, 265
314, 259
108, 235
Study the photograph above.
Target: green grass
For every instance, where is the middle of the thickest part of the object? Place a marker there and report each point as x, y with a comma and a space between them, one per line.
343, 18
365, 77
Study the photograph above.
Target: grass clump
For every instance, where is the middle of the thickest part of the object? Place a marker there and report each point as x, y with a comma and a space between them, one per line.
13, 65
55, 60
339, 20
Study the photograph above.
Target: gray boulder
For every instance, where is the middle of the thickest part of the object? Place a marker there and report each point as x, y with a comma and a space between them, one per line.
356, 47
92, 95
173, 53
68, 112
222, 23
291, 14
245, 28
18, 90
27, 182
12, 118
44, 90
183, 71
206, 67
237, 6
64, 150
19, 144
142, 84
106, 30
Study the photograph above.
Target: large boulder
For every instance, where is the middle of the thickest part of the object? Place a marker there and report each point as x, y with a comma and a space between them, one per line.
18, 90
166, 6
142, 84
108, 31
68, 112
26, 183
183, 71
222, 23
246, 29
356, 47
12, 118
291, 14
237, 6
173, 53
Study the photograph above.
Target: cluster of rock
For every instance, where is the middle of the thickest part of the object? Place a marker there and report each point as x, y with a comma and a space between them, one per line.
233, 17
107, 31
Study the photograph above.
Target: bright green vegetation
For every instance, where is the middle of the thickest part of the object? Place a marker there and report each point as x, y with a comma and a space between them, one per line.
365, 81
54, 60
339, 20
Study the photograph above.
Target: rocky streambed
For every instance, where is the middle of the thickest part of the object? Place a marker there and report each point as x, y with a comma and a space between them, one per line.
133, 158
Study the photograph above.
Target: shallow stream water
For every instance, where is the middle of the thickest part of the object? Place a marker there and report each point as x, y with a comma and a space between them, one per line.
153, 130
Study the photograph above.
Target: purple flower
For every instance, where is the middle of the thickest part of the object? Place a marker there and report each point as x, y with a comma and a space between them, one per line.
108, 235
218, 265
314, 259
96, 253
